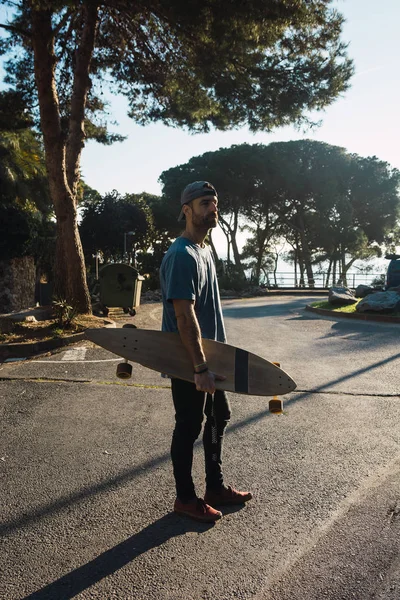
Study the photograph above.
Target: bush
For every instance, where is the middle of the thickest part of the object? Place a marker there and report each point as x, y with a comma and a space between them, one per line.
232, 279
18, 229
64, 313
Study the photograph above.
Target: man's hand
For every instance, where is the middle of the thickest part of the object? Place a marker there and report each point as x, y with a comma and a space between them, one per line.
205, 382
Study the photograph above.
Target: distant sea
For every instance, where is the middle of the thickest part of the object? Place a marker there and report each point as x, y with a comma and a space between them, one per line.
362, 271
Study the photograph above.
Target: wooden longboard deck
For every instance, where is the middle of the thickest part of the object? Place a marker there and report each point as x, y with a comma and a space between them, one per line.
245, 373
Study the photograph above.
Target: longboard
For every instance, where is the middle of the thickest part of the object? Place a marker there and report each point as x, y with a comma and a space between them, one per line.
245, 373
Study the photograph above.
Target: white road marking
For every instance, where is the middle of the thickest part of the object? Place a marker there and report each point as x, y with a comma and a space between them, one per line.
78, 361
75, 355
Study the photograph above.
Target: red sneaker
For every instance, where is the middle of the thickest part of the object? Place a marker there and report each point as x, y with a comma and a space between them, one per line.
197, 509
225, 496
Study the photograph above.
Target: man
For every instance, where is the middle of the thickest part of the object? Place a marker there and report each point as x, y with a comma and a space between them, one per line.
192, 307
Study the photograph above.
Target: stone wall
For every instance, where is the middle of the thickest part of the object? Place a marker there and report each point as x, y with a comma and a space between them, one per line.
17, 284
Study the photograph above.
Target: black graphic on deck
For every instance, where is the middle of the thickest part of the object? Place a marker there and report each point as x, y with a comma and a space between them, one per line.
241, 371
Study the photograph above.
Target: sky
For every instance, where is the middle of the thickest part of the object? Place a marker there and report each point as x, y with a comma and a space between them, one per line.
364, 120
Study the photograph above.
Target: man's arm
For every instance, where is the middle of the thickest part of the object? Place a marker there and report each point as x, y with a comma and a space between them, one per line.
190, 334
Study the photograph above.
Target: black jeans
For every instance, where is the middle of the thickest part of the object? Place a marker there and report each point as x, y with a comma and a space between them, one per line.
190, 407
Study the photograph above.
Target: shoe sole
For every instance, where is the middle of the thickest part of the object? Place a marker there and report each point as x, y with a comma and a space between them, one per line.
228, 502
200, 519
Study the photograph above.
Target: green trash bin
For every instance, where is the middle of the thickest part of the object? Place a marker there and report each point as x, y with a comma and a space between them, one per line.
120, 286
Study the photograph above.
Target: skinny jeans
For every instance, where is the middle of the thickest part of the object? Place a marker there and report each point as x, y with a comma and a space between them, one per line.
190, 408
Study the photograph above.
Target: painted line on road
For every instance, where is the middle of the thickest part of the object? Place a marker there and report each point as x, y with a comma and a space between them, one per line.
342, 393
75, 354
59, 362
152, 386
85, 381
54, 362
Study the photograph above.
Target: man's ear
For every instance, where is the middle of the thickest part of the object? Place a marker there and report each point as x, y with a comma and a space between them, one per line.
186, 209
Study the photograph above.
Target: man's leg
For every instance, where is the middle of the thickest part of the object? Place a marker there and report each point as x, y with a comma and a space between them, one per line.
189, 410
189, 407
218, 414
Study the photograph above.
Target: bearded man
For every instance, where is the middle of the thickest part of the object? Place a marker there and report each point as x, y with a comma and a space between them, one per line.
192, 307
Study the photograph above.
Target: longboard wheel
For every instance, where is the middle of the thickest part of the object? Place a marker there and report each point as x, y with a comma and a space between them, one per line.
124, 370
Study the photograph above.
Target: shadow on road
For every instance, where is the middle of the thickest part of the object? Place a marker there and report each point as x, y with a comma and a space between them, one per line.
128, 475
322, 388
107, 563
249, 311
375, 334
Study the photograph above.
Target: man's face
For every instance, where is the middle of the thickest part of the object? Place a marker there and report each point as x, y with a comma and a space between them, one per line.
204, 212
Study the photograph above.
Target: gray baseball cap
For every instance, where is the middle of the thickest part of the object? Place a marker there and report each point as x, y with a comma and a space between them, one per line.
194, 190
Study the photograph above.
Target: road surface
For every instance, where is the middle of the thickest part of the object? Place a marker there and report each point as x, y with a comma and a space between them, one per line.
86, 488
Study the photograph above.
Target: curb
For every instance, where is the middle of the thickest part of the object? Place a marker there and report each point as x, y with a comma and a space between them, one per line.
279, 292
30, 349
356, 316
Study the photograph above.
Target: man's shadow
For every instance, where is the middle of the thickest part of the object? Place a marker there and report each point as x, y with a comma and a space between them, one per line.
73, 583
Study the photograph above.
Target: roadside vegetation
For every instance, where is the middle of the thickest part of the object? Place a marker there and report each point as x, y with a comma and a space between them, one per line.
349, 309
48, 329
328, 206
341, 209
272, 64
328, 306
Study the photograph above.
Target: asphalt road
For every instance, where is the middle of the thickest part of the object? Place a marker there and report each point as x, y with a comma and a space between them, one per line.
86, 487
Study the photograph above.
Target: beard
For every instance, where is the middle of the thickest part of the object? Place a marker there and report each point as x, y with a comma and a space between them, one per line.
204, 223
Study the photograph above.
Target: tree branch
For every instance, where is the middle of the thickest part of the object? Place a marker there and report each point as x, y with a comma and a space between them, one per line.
14, 29
64, 41
285, 219
62, 22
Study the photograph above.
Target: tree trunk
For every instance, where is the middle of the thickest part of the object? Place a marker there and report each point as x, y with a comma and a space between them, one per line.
266, 277
305, 252
69, 270
258, 265
262, 244
81, 86
347, 266
70, 273
236, 254
225, 231
328, 273
257, 274
302, 280
343, 268
275, 269
301, 264
214, 251
232, 233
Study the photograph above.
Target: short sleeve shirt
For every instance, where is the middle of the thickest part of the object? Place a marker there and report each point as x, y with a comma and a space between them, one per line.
188, 273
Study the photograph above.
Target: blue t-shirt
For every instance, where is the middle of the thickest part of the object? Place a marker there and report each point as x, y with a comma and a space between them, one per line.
188, 273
